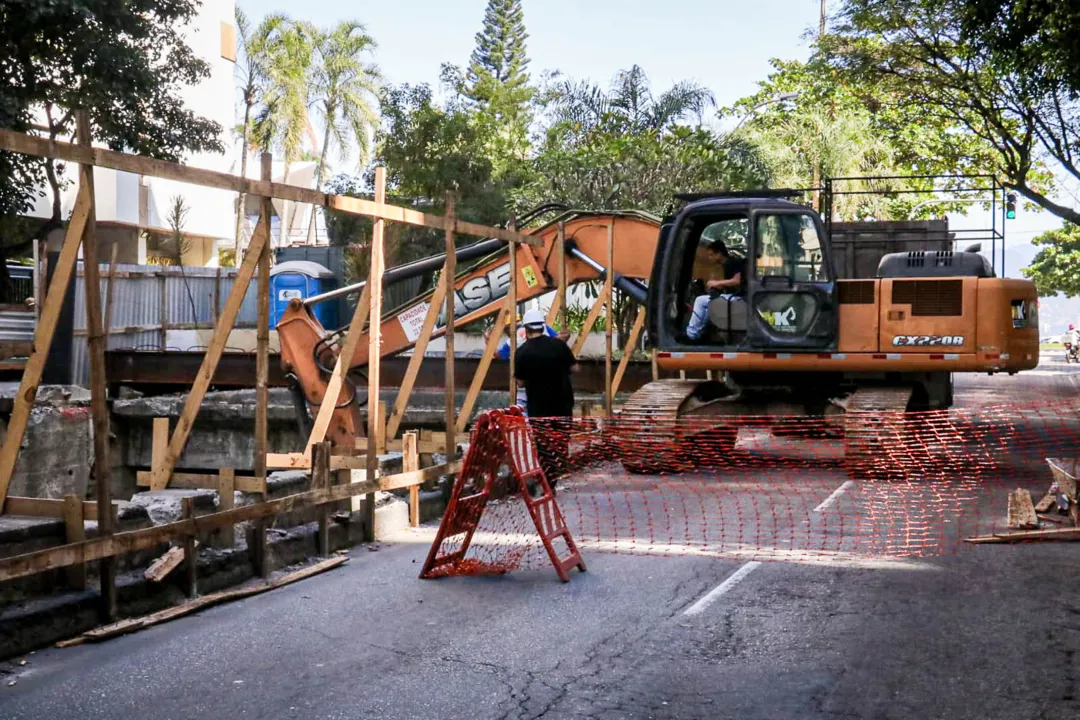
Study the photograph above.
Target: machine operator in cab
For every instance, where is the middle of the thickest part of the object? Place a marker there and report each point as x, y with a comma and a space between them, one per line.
726, 281
544, 364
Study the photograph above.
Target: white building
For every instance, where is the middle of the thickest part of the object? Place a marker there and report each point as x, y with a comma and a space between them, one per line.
132, 208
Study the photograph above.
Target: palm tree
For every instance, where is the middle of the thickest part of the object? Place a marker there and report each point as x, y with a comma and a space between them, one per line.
253, 69
282, 121
344, 91
630, 102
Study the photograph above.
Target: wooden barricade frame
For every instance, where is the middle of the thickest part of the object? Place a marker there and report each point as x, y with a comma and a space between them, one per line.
81, 232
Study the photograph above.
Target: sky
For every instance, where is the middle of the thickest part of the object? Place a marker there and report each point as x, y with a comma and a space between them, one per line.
725, 45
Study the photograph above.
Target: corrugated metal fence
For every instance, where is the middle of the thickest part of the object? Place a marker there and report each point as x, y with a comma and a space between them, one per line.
150, 301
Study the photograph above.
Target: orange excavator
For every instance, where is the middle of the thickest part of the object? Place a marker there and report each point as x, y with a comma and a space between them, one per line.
795, 341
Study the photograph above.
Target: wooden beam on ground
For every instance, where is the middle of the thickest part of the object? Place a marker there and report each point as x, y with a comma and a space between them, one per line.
377, 267
401, 403
590, 321
450, 270
628, 350
43, 336
160, 568
213, 354
124, 542
482, 368
138, 165
609, 326
134, 624
1022, 510
1072, 533
410, 462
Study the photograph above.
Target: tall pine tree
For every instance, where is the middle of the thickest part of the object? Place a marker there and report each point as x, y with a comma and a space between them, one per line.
497, 80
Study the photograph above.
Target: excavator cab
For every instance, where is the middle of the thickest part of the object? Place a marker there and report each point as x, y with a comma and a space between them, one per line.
787, 301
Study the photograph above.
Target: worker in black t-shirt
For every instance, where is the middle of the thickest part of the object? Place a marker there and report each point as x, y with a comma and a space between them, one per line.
730, 287
544, 365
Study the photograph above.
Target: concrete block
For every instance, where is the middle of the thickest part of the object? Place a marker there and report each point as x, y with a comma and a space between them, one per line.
165, 506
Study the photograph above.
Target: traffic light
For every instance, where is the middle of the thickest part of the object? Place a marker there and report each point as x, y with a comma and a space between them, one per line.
1010, 206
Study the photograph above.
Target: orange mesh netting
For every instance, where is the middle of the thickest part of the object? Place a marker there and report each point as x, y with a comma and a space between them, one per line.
861, 485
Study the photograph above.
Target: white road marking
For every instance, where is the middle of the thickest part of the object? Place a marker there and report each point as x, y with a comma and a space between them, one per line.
834, 497
714, 594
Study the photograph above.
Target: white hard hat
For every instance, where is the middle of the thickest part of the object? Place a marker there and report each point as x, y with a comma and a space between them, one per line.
533, 318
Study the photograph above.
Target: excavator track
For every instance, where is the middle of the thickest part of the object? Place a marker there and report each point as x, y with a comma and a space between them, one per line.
649, 436
870, 417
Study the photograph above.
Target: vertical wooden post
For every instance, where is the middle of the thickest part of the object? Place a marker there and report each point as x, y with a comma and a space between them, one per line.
163, 309
262, 369
564, 324
320, 481
609, 326
410, 460
450, 270
99, 410
191, 588
655, 368
74, 531
109, 293
226, 497
160, 442
511, 294
375, 348
380, 437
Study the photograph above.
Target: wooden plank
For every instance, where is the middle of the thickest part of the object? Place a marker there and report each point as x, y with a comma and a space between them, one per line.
341, 368
226, 537
410, 462
376, 267
17, 566
160, 442
131, 625
262, 335
163, 313
320, 480
609, 326
34, 507
107, 326
138, 165
564, 323
450, 270
213, 354
160, 568
74, 532
380, 427
1022, 510
511, 300
402, 400
590, 320
1072, 533
43, 336
205, 481
1045, 504
482, 369
191, 588
628, 351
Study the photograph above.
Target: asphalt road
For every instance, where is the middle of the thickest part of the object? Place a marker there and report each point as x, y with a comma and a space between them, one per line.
983, 632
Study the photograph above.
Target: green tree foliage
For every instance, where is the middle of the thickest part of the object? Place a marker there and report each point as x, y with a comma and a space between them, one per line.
124, 62
496, 82
922, 59
1054, 269
623, 147
344, 91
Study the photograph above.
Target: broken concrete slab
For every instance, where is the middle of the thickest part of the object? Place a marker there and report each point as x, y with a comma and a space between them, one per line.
165, 506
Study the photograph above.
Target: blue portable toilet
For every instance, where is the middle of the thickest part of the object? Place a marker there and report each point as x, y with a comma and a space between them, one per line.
302, 279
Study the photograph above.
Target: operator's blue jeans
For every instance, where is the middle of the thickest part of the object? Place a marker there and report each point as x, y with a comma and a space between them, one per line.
700, 315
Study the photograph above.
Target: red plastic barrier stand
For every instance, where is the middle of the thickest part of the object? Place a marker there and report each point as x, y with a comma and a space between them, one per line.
500, 439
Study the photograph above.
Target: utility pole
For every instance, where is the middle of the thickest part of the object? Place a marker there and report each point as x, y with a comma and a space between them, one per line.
816, 183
